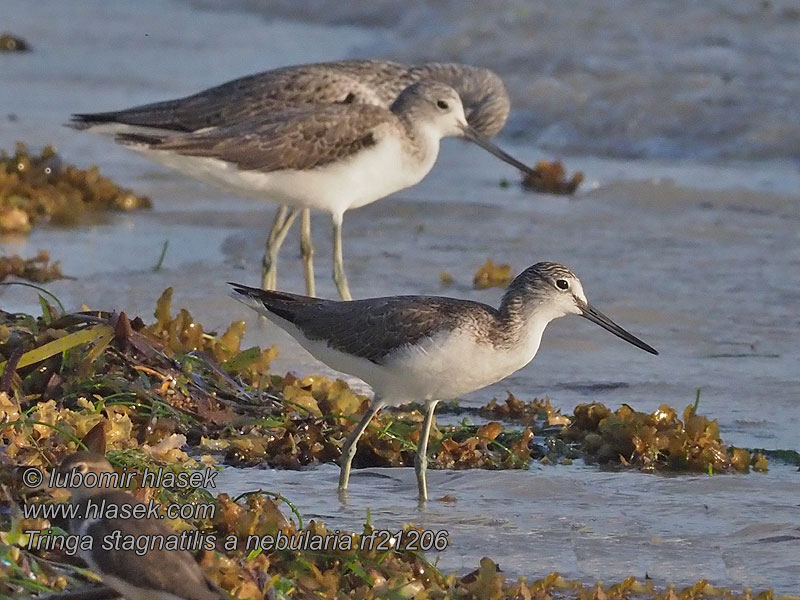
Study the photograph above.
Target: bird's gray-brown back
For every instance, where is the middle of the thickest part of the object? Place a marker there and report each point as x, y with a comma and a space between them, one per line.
351, 81
301, 138
376, 327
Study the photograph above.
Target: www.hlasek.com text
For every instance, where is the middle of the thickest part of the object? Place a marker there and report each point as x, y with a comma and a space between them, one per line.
100, 508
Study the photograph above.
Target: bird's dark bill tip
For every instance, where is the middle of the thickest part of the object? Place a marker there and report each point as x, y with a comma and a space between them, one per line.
595, 316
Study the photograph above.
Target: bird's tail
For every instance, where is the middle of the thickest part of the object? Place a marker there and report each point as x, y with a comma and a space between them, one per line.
88, 120
268, 302
140, 139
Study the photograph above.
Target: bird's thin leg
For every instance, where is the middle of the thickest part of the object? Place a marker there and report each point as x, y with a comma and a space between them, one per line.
349, 450
274, 242
338, 262
421, 458
307, 251
269, 268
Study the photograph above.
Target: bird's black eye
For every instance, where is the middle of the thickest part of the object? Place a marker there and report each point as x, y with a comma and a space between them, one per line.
562, 284
442, 104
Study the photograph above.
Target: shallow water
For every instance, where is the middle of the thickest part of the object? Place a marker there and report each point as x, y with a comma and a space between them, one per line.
698, 259
711, 79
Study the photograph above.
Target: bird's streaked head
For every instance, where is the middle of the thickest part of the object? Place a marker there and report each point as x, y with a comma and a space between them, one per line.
554, 291
433, 104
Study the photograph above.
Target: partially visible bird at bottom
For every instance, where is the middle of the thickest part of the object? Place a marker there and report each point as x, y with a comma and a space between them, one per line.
159, 573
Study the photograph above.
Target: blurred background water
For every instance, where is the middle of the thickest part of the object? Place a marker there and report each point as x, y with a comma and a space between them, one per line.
685, 119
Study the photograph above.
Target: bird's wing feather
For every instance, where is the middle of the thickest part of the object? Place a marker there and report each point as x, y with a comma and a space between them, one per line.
373, 328
297, 138
245, 98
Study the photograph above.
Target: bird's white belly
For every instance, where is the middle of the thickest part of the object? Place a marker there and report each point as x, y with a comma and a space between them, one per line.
451, 365
438, 369
335, 187
442, 367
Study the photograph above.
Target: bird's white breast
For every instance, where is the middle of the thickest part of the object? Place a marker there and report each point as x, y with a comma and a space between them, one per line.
452, 364
335, 187
443, 367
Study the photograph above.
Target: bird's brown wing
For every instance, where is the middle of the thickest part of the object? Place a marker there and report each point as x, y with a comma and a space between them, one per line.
299, 138
245, 98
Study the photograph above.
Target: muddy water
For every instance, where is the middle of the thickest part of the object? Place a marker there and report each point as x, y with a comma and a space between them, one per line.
699, 260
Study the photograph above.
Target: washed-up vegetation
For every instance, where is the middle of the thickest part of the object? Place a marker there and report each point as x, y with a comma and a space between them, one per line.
492, 275
362, 571
12, 43
551, 178
173, 377
38, 188
38, 269
172, 393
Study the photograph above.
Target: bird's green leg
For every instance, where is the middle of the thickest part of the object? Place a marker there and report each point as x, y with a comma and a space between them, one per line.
349, 450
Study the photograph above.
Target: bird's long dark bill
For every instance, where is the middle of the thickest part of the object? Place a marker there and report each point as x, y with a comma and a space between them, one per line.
475, 137
595, 316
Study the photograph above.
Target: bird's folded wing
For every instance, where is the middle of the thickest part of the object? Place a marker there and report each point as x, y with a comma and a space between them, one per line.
244, 98
297, 138
375, 328
170, 571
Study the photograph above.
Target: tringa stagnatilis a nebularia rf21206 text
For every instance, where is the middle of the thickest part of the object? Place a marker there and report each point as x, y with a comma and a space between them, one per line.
327, 157
427, 348
378, 82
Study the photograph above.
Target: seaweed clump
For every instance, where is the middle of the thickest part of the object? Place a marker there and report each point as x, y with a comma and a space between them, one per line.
492, 275
173, 380
353, 564
38, 269
551, 178
12, 43
36, 188
536, 411
657, 441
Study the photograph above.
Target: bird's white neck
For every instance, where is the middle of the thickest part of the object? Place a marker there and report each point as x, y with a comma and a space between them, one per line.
524, 319
424, 139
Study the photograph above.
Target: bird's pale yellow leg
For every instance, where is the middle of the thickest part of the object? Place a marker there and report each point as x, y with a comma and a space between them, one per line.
307, 251
349, 449
277, 235
338, 261
421, 458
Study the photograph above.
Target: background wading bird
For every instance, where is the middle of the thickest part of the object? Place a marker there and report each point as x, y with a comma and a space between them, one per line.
332, 157
375, 82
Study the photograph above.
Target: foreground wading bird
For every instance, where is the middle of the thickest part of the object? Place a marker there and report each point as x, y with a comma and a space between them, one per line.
375, 82
159, 574
331, 157
427, 348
